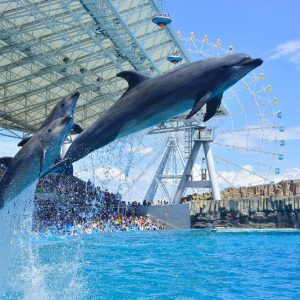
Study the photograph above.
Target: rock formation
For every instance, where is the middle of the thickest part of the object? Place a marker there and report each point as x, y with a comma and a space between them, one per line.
285, 188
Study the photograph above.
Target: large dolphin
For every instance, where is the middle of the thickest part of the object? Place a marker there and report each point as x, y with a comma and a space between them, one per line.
150, 101
65, 107
34, 158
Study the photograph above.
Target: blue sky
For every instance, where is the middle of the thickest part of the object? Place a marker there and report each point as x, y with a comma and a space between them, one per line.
267, 29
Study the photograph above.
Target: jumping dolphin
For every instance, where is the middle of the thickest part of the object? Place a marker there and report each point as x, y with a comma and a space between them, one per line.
150, 101
34, 158
65, 107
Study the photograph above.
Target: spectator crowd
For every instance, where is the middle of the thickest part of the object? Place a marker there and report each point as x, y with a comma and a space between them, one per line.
68, 205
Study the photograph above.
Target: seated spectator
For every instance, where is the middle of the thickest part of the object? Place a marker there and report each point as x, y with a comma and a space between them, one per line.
66, 205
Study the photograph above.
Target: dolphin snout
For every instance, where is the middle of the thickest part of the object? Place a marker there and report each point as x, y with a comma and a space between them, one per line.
77, 94
251, 61
73, 97
259, 61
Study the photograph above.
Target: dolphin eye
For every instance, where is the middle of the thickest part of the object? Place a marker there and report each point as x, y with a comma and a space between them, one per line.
62, 105
49, 130
225, 66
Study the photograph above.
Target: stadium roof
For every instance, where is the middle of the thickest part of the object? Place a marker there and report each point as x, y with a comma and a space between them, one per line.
49, 49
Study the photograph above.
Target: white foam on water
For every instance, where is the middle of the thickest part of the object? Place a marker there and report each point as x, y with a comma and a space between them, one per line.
15, 237
23, 273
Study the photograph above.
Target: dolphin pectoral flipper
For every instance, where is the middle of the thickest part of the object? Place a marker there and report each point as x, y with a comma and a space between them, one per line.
24, 141
212, 106
198, 105
77, 128
132, 78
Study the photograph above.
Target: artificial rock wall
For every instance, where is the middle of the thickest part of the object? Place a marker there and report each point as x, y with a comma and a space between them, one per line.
282, 189
261, 212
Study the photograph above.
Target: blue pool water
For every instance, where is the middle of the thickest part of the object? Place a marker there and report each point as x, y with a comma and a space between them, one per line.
189, 264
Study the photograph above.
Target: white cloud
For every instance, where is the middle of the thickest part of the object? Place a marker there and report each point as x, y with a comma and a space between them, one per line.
291, 133
250, 137
289, 50
243, 177
82, 174
196, 172
111, 174
9, 148
241, 139
110, 178
143, 150
253, 139
293, 173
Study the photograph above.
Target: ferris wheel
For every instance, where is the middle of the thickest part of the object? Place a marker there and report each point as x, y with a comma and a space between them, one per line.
244, 138
247, 136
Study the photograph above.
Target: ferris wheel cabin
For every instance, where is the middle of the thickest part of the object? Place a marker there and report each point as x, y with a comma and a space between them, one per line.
161, 20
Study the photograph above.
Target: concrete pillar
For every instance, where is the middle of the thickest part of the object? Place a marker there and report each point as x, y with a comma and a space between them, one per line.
212, 171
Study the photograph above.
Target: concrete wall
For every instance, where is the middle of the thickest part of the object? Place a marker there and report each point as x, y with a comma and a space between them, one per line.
176, 216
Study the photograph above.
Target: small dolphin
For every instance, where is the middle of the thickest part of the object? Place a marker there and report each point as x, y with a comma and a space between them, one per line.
34, 158
150, 101
65, 107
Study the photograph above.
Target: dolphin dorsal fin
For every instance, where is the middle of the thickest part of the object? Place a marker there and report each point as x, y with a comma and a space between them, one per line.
132, 78
24, 141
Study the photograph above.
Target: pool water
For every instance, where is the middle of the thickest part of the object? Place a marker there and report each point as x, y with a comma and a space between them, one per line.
182, 264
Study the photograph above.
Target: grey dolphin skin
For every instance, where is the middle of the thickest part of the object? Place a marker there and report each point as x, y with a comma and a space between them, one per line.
65, 107
34, 159
150, 101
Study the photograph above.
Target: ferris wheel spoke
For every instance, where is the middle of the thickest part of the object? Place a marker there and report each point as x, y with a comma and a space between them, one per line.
270, 167
144, 171
252, 107
221, 132
248, 149
163, 189
239, 166
225, 179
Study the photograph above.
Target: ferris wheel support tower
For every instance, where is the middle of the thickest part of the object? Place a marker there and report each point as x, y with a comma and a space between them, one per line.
203, 137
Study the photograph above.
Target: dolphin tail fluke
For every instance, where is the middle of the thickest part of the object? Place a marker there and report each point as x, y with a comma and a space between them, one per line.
63, 167
24, 141
212, 106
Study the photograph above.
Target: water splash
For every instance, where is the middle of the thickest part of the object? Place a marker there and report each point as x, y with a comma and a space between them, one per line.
26, 271
15, 237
